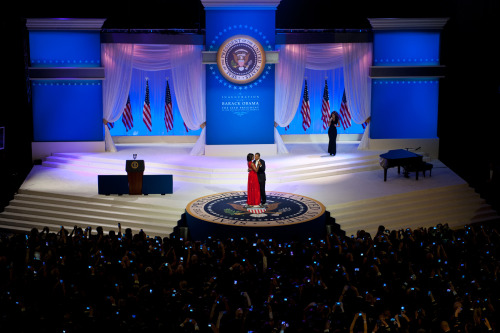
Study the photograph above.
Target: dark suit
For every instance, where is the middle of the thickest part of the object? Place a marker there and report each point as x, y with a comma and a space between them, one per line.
261, 175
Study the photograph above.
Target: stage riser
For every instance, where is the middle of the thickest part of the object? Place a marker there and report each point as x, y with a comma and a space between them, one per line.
35, 209
119, 164
431, 217
325, 174
84, 214
108, 202
400, 207
98, 166
412, 195
108, 205
38, 203
27, 225
334, 163
34, 215
329, 169
223, 176
414, 198
454, 221
454, 205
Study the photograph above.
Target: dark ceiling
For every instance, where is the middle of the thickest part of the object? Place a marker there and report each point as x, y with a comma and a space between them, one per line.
320, 14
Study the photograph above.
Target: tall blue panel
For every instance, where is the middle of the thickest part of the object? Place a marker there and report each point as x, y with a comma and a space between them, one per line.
406, 48
240, 113
405, 102
65, 48
404, 109
67, 111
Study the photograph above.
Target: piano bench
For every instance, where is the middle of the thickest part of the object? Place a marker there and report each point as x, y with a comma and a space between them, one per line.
427, 167
423, 166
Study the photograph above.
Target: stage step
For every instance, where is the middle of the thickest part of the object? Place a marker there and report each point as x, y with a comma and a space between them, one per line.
455, 205
301, 171
33, 209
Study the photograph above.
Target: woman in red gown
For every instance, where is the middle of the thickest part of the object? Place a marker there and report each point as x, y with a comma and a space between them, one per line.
253, 188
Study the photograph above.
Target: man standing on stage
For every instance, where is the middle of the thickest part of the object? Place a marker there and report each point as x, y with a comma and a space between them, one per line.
261, 175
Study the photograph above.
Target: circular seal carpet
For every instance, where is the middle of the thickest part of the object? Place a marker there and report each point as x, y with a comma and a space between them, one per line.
286, 216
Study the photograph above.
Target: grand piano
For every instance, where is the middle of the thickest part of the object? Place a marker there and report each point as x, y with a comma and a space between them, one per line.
401, 158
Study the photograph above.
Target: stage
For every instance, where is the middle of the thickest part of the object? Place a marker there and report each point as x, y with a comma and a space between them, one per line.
63, 189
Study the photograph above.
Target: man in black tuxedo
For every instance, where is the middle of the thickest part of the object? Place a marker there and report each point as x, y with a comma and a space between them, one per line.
261, 175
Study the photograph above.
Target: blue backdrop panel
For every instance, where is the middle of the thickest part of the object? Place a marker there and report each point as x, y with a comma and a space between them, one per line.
240, 114
65, 49
67, 111
406, 48
404, 109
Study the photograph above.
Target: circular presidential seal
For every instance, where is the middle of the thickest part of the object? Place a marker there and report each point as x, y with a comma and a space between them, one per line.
241, 59
230, 208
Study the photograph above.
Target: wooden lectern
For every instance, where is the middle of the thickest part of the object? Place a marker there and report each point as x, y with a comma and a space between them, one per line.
135, 170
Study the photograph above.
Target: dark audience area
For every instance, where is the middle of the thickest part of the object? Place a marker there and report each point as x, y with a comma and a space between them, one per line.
83, 280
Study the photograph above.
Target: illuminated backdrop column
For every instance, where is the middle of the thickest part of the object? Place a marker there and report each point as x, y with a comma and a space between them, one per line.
66, 74
405, 83
240, 84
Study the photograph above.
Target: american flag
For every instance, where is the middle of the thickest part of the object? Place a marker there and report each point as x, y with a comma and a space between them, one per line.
306, 110
110, 125
185, 126
325, 107
345, 115
146, 110
169, 116
127, 119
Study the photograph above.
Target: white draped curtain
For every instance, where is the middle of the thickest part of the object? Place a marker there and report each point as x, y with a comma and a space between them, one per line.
188, 76
188, 81
354, 58
117, 60
357, 62
288, 87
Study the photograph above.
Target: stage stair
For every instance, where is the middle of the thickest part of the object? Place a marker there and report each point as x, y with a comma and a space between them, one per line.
326, 167
33, 209
456, 205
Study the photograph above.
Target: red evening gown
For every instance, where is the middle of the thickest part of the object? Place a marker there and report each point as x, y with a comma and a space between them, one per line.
253, 188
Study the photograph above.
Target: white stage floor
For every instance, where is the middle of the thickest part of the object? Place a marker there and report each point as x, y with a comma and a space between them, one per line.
329, 190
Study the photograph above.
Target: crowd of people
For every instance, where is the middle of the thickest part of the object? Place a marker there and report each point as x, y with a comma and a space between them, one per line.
424, 280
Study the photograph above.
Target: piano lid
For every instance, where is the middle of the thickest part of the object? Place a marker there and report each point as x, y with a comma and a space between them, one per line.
398, 154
